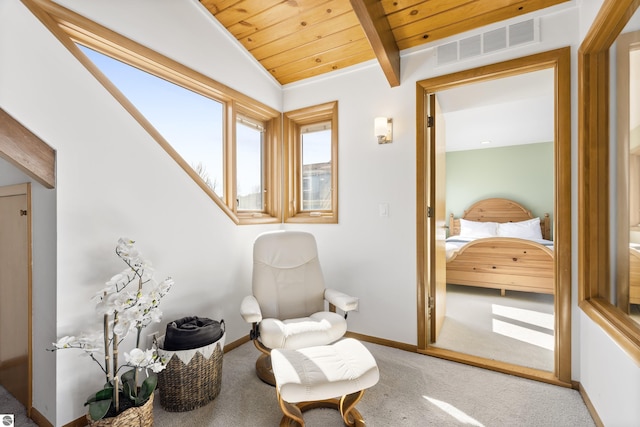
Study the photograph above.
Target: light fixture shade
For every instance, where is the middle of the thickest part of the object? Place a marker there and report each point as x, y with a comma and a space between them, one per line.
383, 129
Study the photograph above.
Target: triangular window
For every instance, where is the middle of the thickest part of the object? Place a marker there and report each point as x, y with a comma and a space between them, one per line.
192, 123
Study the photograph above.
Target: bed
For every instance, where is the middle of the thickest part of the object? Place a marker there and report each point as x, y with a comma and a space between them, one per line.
634, 274
498, 244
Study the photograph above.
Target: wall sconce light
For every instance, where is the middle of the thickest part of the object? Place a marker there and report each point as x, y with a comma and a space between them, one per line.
383, 129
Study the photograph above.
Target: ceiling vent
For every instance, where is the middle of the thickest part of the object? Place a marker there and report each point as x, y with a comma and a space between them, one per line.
524, 32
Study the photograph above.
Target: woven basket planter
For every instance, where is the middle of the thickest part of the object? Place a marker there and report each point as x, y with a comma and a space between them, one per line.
187, 386
138, 416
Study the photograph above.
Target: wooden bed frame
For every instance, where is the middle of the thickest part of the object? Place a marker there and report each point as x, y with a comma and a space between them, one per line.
503, 263
634, 276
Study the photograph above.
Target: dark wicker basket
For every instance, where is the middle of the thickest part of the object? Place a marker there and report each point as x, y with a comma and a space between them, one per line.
187, 387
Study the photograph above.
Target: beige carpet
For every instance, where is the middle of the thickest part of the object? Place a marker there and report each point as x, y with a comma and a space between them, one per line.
516, 328
11, 407
414, 390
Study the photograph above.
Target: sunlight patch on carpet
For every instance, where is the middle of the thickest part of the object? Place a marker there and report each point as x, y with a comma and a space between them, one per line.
522, 333
454, 412
532, 317
539, 339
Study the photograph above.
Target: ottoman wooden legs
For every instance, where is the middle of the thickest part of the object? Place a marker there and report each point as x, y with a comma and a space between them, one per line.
346, 405
311, 377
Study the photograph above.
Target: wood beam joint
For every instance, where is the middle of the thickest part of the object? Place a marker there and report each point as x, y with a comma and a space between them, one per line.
376, 27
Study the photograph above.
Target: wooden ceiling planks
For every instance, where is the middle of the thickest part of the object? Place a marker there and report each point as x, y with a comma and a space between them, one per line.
313, 23
298, 39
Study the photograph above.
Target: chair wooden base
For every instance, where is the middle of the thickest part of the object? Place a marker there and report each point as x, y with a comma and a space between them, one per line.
264, 369
346, 405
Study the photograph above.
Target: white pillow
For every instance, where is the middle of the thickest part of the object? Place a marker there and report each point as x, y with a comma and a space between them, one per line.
529, 229
477, 229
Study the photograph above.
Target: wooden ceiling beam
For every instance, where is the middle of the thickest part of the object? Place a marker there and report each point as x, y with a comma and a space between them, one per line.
26, 151
374, 22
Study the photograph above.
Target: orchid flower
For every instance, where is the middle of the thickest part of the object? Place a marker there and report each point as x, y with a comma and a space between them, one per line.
127, 302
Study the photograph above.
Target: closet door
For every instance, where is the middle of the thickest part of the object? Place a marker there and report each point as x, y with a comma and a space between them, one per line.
14, 296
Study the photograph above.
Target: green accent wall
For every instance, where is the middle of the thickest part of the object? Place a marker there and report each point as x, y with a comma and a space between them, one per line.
523, 173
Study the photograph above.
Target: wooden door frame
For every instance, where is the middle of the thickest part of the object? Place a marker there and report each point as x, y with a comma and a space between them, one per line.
560, 61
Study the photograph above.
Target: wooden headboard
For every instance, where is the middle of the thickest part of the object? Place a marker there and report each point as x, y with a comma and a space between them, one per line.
499, 210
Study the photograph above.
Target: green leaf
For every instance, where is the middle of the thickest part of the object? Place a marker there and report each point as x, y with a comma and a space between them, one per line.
147, 388
98, 409
129, 378
150, 383
129, 375
105, 393
129, 386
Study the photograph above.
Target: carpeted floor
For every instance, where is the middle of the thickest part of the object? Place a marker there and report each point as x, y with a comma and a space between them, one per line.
516, 328
11, 406
414, 390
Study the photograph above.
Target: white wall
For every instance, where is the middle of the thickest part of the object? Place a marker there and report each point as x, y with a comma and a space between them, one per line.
379, 253
113, 180
106, 187
610, 378
43, 216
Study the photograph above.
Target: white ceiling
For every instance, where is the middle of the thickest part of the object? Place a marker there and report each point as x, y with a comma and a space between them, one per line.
508, 111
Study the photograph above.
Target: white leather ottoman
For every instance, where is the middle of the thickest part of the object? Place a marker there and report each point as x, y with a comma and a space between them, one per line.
333, 376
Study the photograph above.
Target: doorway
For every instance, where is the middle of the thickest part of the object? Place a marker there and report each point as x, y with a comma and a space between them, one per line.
430, 217
15, 291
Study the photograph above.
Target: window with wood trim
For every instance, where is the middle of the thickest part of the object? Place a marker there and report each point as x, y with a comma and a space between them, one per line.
256, 165
249, 167
193, 124
606, 284
311, 153
228, 143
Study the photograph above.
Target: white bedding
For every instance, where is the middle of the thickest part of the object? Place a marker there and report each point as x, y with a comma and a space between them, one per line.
454, 243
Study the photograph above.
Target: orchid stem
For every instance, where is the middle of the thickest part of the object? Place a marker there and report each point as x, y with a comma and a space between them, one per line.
115, 364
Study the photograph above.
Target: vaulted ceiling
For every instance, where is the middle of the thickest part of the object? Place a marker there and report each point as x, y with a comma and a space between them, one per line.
298, 39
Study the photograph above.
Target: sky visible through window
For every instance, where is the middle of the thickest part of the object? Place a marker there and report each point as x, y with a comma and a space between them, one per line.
316, 147
191, 123
316, 150
194, 124
249, 164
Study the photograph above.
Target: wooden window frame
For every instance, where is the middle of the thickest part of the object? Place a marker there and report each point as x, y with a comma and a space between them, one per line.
271, 153
293, 122
594, 265
71, 28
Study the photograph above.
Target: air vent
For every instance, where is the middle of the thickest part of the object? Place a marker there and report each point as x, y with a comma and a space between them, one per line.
491, 41
495, 40
448, 52
470, 47
522, 32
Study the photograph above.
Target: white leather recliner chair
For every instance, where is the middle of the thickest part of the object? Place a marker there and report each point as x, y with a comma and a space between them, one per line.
287, 308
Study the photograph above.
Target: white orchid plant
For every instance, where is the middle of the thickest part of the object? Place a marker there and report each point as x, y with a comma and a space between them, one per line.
128, 303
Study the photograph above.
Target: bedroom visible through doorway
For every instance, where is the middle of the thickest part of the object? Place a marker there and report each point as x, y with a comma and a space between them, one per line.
509, 268
499, 207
